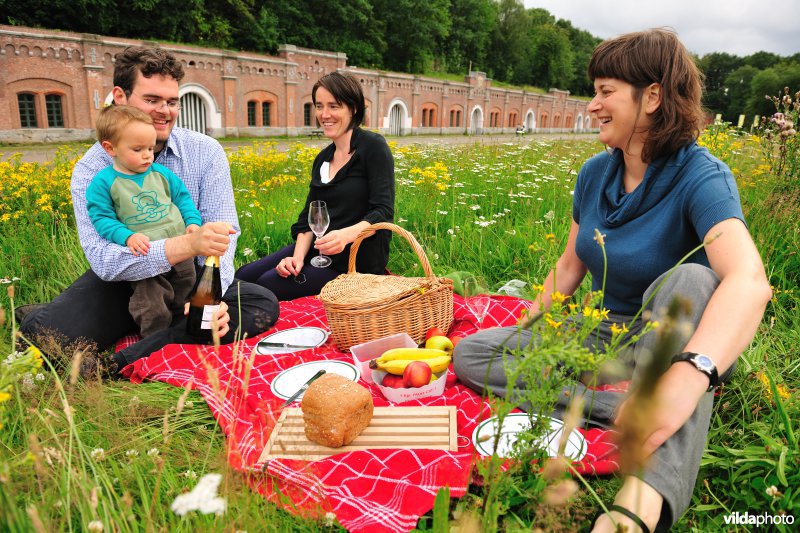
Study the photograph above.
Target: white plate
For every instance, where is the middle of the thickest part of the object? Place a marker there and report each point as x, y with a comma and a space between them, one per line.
484, 437
305, 337
290, 380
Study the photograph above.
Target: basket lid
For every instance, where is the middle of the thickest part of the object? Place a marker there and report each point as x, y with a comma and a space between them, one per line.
360, 291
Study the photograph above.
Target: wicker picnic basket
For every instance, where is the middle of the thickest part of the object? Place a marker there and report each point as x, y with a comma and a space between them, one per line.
365, 307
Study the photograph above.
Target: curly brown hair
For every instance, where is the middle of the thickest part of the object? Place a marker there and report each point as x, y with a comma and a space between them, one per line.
656, 56
147, 60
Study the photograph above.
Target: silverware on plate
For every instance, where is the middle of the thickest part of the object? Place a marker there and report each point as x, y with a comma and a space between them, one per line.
268, 344
294, 396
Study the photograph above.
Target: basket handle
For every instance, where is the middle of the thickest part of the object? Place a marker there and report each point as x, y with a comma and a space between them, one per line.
423, 259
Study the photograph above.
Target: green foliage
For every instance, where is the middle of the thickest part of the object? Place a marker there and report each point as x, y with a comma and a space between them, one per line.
771, 81
467, 45
737, 85
512, 44
413, 45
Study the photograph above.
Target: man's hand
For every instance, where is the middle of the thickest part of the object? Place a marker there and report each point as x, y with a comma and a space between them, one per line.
212, 238
138, 244
289, 266
223, 318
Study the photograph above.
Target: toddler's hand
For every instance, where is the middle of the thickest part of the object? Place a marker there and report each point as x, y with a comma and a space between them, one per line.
191, 228
138, 244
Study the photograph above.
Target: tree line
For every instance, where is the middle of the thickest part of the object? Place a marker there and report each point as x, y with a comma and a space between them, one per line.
510, 43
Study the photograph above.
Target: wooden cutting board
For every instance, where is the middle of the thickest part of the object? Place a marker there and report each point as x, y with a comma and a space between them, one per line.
431, 427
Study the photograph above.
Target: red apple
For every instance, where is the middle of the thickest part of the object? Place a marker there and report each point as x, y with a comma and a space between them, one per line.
455, 340
417, 374
434, 332
393, 382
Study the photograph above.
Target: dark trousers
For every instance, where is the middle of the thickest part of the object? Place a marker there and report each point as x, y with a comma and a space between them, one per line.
156, 301
308, 283
96, 310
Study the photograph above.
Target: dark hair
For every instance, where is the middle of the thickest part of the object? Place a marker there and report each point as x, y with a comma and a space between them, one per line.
656, 56
147, 60
346, 90
113, 119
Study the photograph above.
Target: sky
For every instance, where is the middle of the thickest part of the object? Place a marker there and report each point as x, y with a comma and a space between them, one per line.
739, 27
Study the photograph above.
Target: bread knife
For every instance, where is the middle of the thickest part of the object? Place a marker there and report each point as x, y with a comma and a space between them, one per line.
294, 396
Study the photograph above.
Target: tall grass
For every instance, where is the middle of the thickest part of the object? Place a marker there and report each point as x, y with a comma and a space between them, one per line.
499, 210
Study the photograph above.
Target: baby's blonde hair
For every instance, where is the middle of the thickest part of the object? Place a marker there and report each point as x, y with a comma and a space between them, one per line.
113, 120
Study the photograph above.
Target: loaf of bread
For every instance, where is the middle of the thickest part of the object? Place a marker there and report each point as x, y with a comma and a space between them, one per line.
335, 410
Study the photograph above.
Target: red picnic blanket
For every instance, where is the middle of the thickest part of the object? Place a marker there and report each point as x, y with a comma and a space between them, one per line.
374, 490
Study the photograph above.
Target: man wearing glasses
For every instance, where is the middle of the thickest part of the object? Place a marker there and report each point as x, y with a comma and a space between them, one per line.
95, 306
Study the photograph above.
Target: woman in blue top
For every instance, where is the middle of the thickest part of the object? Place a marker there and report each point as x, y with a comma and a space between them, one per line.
654, 195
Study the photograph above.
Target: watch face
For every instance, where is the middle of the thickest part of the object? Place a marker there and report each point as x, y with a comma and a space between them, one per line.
704, 363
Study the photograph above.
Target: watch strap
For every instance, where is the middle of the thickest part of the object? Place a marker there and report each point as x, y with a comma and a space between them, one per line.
710, 371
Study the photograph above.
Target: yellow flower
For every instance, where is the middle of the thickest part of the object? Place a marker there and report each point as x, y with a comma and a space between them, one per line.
617, 330
599, 237
4, 396
783, 392
557, 297
550, 237
552, 323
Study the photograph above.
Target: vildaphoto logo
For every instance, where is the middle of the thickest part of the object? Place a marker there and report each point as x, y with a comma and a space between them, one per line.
764, 519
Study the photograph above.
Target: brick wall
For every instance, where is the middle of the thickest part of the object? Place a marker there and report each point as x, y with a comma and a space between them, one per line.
78, 68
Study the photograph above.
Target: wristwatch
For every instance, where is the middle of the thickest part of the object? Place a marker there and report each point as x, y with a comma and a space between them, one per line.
703, 363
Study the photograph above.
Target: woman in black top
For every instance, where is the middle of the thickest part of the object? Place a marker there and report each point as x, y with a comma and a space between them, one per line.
354, 175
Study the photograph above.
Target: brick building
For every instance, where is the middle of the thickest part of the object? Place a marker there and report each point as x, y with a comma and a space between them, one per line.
53, 83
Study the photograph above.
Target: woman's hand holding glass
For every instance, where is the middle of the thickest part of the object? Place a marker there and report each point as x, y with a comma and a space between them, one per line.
318, 221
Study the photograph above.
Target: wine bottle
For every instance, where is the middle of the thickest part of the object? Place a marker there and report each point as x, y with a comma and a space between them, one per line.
204, 300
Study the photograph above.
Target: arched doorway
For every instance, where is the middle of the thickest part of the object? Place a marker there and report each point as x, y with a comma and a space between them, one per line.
397, 117
193, 113
579, 122
530, 121
476, 121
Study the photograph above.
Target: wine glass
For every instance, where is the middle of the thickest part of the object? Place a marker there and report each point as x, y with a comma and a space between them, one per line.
475, 297
318, 221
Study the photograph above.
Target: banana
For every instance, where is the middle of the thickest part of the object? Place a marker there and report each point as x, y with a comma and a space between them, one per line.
406, 354
439, 364
397, 366
412, 354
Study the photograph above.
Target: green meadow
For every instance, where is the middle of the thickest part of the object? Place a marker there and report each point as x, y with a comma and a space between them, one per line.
81, 455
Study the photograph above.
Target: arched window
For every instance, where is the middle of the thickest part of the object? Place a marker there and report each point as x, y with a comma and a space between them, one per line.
27, 110
429, 116
251, 113
55, 113
512, 119
307, 113
455, 117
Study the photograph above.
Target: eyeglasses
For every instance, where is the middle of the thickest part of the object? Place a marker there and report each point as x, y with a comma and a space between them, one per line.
158, 103
300, 278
